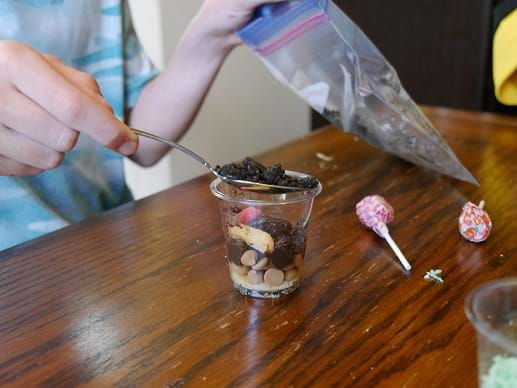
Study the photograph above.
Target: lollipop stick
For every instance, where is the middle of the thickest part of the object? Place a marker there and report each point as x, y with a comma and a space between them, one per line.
397, 251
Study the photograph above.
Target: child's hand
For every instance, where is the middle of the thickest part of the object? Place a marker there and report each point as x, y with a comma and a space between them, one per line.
220, 18
44, 104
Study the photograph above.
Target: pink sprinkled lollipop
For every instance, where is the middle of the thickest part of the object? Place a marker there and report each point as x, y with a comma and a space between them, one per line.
375, 213
474, 223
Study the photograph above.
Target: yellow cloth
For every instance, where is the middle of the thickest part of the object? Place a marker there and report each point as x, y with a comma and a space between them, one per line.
505, 60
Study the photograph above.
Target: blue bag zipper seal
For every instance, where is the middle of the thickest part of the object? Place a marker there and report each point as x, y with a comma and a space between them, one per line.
265, 11
272, 18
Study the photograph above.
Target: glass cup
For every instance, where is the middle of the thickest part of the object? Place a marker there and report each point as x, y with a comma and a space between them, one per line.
492, 309
266, 236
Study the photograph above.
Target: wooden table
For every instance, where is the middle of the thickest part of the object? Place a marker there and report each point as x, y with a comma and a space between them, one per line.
142, 295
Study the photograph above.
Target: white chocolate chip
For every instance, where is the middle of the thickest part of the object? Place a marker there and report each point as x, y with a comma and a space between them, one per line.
255, 277
249, 258
263, 263
255, 238
274, 277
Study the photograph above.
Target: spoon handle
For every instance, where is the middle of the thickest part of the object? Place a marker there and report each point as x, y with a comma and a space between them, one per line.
173, 145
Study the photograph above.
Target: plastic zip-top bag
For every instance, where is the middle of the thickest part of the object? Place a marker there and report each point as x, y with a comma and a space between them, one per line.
312, 47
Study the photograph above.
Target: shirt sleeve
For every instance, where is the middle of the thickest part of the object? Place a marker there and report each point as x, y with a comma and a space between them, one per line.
138, 68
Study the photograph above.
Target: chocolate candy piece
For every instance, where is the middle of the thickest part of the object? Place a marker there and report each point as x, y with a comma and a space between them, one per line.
282, 258
255, 277
283, 255
236, 248
262, 263
274, 277
290, 275
238, 269
249, 258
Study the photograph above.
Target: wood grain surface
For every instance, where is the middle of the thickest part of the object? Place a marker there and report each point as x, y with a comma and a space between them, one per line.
141, 296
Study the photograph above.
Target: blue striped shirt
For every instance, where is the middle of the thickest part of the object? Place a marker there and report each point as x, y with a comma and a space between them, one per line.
95, 36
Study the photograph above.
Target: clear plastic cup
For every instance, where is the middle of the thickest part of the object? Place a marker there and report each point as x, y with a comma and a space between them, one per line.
492, 309
266, 236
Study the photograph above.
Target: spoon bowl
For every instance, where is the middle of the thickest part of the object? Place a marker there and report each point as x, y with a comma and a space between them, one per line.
238, 183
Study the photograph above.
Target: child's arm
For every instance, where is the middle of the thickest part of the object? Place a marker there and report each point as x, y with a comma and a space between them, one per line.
168, 105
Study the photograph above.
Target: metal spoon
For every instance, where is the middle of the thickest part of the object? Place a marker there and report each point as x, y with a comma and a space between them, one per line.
240, 184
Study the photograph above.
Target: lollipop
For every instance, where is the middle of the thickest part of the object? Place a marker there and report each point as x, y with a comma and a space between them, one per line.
474, 223
375, 213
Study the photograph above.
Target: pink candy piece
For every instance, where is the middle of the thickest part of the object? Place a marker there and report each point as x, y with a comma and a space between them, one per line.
373, 210
249, 214
474, 223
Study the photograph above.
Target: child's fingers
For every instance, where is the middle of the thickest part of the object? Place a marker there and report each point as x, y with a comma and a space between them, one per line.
32, 75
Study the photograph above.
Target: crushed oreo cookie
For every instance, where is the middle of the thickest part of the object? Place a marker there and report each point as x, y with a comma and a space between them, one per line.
253, 171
